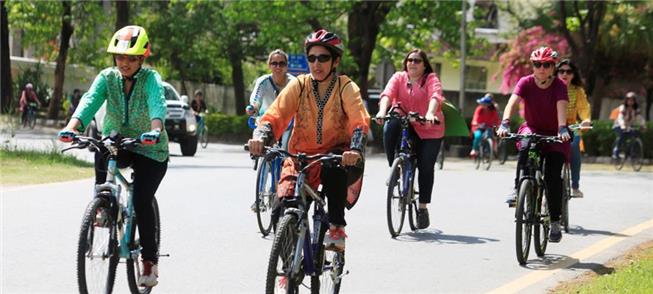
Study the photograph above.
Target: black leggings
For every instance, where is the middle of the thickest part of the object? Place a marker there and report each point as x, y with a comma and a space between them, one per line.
426, 151
148, 174
553, 162
334, 187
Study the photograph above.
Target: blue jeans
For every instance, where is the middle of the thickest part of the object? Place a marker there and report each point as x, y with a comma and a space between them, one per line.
575, 162
426, 151
200, 124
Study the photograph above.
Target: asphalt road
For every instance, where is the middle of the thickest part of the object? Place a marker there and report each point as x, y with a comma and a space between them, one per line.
214, 244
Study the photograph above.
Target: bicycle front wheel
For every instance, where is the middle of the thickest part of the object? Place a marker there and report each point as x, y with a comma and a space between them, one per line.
502, 151
134, 270
97, 257
566, 196
396, 206
279, 275
265, 194
440, 158
331, 278
636, 154
542, 224
523, 220
204, 138
487, 153
32, 119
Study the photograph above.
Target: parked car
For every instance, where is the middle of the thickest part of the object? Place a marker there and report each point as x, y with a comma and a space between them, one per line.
180, 122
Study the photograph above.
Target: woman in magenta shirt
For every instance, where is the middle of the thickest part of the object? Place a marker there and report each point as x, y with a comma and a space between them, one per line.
545, 113
418, 89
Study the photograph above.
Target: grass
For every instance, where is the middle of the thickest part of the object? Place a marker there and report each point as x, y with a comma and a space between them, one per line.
633, 273
23, 167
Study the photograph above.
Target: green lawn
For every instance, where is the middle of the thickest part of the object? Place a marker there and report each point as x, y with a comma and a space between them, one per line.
22, 167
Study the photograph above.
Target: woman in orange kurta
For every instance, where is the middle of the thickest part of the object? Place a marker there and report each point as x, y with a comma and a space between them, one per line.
329, 117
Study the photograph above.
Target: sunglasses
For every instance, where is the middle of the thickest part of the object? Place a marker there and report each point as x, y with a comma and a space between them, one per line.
540, 64
565, 71
322, 58
414, 60
130, 58
278, 63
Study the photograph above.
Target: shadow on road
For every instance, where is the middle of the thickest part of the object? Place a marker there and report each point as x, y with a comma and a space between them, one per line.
556, 261
191, 166
437, 236
579, 230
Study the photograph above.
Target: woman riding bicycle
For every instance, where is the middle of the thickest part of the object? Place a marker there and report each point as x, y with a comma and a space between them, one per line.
329, 117
27, 96
578, 107
268, 87
485, 117
418, 89
628, 122
136, 107
545, 113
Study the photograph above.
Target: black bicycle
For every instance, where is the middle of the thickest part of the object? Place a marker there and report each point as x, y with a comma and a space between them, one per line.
440, 159
486, 149
401, 190
296, 250
532, 214
29, 119
109, 226
632, 149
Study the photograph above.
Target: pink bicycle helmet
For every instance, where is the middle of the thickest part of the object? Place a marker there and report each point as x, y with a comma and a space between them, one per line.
326, 39
544, 54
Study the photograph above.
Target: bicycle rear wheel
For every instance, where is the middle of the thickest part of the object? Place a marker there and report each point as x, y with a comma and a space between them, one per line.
542, 224
566, 197
487, 153
440, 158
636, 154
523, 220
204, 138
265, 194
413, 206
279, 277
502, 151
97, 257
331, 278
396, 206
134, 270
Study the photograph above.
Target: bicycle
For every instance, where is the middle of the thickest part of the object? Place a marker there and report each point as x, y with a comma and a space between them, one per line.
440, 159
109, 227
401, 190
485, 150
203, 132
296, 251
30, 117
566, 185
633, 149
532, 215
265, 201
502, 152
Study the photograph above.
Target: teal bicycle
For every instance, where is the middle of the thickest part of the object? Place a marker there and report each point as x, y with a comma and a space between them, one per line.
109, 226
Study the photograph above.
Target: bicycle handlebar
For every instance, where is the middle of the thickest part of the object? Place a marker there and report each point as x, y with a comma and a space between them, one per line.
536, 137
412, 115
81, 142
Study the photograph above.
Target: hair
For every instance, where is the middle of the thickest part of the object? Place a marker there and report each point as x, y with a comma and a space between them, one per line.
576, 80
277, 51
427, 65
631, 95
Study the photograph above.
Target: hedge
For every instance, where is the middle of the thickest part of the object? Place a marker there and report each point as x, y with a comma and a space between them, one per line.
228, 128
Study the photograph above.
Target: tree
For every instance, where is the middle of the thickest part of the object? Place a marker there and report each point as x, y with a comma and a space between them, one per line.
60, 70
7, 88
122, 14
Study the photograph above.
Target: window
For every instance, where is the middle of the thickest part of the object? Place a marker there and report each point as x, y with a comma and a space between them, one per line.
486, 14
475, 77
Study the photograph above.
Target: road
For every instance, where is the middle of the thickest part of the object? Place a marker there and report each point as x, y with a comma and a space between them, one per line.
214, 246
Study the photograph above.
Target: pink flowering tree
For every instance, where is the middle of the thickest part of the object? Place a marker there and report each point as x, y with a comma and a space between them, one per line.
515, 63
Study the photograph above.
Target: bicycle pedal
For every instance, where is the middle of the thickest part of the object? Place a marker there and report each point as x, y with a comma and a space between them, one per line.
164, 255
343, 274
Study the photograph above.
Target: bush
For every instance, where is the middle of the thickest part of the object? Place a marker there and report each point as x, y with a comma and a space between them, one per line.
599, 140
229, 128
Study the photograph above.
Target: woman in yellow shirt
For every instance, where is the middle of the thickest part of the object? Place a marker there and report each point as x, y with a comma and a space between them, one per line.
578, 107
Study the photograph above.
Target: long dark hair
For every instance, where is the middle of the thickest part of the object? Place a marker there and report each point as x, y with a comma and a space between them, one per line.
427, 65
576, 80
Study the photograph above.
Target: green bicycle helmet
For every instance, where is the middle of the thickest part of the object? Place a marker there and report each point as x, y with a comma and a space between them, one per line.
130, 40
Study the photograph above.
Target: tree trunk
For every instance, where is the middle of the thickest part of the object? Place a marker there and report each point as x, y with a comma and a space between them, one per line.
122, 14
60, 69
237, 79
5, 63
364, 22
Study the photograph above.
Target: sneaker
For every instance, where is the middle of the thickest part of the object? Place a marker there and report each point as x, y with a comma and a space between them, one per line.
575, 193
423, 221
555, 234
512, 199
254, 207
473, 153
150, 275
335, 239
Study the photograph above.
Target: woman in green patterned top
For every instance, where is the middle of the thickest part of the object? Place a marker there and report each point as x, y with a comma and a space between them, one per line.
135, 108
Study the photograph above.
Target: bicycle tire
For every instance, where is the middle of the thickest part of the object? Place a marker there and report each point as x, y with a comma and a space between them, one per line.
542, 224
109, 254
413, 206
396, 205
263, 196
523, 217
487, 153
133, 269
620, 160
636, 154
477, 158
330, 279
502, 152
440, 158
32, 118
566, 197
204, 138
283, 249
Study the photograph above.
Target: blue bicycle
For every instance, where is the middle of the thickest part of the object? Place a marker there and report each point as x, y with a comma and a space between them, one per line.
296, 251
266, 204
109, 226
401, 191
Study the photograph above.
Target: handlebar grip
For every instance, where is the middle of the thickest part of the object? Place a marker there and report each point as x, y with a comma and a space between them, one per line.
246, 147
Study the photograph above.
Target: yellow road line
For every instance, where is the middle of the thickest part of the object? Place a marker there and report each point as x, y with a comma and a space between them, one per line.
534, 277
